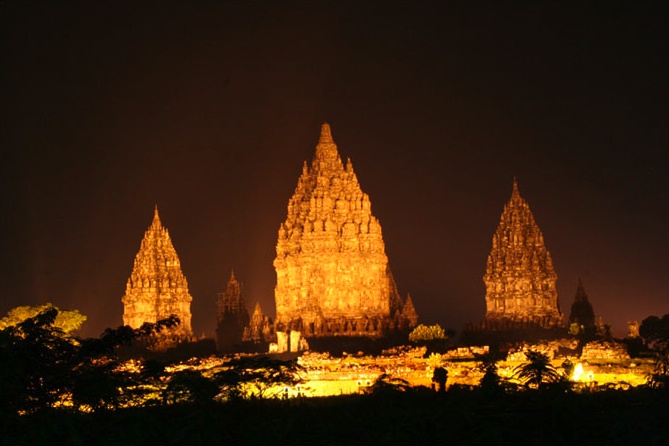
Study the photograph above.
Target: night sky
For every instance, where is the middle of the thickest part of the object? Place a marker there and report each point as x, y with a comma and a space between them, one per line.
208, 109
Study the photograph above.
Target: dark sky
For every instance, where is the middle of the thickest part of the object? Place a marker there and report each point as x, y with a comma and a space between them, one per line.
208, 109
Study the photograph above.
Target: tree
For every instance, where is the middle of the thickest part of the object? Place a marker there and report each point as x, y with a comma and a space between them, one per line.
388, 385
190, 386
432, 336
426, 333
491, 383
439, 378
260, 377
42, 365
537, 371
66, 320
654, 329
655, 332
37, 362
98, 376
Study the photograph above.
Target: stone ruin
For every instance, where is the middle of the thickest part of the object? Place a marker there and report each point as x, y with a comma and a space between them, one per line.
604, 351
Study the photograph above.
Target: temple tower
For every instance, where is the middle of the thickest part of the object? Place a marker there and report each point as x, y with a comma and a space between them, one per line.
520, 279
157, 288
232, 315
260, 328
582, 312
332, 271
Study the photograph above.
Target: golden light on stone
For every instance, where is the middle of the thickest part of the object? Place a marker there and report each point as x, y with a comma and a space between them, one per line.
157, 288
333, 277
520, 280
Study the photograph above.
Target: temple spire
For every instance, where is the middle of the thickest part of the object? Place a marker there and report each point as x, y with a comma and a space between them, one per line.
516, 192
327, 157
157, 288
520, 279
232, 315
582, 311
332, 271
326, 135
156, 217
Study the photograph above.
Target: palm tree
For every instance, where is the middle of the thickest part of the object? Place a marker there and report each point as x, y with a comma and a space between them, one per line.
491, 383
537, 371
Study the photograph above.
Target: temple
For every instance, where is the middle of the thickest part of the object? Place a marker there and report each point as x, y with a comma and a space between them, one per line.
582, 312
157, 288
333, 277
520, 280
233, 316
260, 329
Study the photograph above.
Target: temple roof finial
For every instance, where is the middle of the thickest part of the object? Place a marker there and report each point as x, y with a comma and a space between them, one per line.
326, 135
581, 295
156, 217
516, 191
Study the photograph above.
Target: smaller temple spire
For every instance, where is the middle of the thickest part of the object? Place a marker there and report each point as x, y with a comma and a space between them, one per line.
326, 135
582, 311
327, 157
516, 192
156, 217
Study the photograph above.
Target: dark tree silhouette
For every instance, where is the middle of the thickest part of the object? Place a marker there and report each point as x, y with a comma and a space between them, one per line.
189, 386
439, 378
389, 385
258, 375
655, 332
37, 361
537, 371
42, 366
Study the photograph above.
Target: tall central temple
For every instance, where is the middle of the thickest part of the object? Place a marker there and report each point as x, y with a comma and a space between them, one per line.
520, 279
333, 277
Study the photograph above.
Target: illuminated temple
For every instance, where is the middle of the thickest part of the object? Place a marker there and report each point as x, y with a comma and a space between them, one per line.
333, 277
157, 288
520, 280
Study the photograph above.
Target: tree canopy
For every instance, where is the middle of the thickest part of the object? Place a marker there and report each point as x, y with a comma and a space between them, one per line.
426, 333
654, 328
537, 371
66, 320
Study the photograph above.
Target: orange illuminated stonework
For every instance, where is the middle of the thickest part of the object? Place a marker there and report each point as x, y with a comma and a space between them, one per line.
260, 328
157, 288
333, 277
520, 279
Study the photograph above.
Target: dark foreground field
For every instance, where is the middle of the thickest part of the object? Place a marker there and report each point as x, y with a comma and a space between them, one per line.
635, 417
